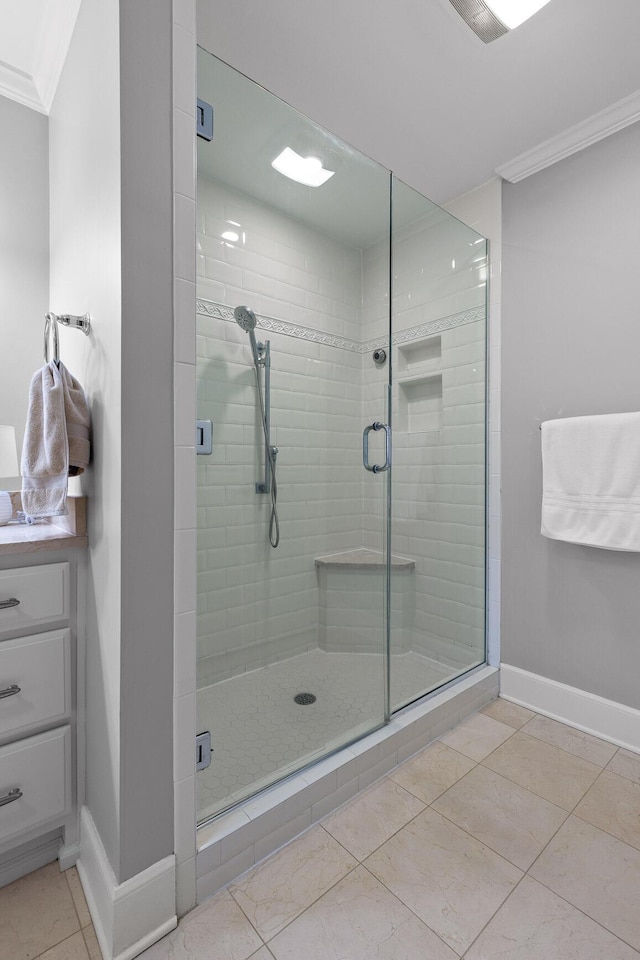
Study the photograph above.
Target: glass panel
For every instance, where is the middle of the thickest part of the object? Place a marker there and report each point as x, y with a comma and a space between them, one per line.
439, 344
278, 621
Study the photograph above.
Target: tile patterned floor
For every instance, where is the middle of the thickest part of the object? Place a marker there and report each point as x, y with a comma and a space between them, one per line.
513, 837
260, 735
44, 915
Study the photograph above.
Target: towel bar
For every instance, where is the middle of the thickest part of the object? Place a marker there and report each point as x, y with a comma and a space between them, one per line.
51, 330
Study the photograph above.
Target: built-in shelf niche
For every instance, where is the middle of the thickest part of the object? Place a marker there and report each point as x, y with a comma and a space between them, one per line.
415, 354
420, 404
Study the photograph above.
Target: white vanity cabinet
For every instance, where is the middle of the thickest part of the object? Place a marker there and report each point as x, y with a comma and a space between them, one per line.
41, 657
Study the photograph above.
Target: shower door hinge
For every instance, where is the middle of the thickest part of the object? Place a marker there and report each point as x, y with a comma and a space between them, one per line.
203, 750
204, 120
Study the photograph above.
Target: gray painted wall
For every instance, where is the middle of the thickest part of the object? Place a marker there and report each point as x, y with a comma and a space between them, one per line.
146, 678
570, 347
24, 254
111, 243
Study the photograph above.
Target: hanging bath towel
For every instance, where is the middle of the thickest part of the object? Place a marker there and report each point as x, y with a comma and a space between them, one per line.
56, 440
591, 480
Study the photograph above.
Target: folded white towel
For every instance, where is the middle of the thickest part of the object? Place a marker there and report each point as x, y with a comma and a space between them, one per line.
56, 440
591, 480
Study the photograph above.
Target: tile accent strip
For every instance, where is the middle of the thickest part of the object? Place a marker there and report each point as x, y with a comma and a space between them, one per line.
218, 311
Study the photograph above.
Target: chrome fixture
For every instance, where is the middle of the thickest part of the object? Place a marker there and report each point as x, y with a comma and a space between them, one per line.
246, 320
376, 467
51, 321
380, 356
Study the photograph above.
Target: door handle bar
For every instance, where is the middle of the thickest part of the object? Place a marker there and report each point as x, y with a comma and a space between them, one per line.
376, 467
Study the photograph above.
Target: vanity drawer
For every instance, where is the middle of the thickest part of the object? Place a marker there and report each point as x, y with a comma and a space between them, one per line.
35, 781
33, 595
35, 681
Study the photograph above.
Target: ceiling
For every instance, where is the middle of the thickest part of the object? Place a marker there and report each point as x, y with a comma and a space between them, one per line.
407, 82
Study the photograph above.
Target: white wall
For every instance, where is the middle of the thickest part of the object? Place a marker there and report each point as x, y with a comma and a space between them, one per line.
112, 256
86, 277
24, 256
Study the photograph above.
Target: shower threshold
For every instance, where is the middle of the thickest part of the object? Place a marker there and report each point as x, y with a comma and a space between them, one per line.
237, 839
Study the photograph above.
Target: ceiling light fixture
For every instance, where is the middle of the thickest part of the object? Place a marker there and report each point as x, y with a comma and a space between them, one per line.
307, 170
490, 19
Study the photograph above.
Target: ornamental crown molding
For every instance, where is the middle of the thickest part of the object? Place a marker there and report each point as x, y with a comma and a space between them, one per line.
616, 117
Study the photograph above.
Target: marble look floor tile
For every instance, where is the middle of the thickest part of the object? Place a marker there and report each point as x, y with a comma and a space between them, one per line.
36, 913
544, 769
73, 948
359, 919
535, 924
597, 873
372, 817
263, 954
506, 712
626, 764
478, 736
574, 741
514, 822
432, 771
216, 930
613, 804
77, 894
279, 889
451, 881
93, 947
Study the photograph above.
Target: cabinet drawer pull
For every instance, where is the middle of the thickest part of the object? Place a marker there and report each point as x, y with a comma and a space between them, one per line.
11, 602
14, 794
9, 691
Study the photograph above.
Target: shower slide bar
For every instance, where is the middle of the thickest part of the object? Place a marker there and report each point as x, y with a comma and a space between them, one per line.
263, 359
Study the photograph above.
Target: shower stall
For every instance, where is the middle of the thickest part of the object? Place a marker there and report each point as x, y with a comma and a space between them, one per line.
341, 345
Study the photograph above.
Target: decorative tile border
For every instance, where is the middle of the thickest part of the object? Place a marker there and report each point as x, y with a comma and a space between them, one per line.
218, 311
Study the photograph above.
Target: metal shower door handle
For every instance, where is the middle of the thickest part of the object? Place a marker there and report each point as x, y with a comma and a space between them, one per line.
376, 467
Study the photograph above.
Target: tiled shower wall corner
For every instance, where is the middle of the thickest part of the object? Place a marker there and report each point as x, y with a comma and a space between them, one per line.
256, 605
438, 432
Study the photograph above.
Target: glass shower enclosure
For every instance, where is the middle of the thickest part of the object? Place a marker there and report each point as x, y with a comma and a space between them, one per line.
341, 322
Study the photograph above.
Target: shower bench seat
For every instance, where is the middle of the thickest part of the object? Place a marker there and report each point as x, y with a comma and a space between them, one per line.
351, 588
363, 559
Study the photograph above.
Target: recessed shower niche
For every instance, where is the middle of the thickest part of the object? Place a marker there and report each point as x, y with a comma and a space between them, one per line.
420, 404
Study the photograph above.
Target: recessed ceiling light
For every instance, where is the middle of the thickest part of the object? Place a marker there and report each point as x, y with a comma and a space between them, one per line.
307, 170
490, 19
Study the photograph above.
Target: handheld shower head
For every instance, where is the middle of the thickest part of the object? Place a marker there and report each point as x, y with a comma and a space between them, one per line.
246, 320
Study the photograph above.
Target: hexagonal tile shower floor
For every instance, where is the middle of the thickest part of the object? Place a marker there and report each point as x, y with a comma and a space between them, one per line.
260, 734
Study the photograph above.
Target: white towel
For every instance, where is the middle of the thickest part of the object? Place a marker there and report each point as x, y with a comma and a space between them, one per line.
591, 480
56, 440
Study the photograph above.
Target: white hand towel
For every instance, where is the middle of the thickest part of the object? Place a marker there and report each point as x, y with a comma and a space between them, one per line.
56, 440
591, 480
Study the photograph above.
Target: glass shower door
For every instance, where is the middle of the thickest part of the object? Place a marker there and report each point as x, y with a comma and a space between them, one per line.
292, 651
439, 414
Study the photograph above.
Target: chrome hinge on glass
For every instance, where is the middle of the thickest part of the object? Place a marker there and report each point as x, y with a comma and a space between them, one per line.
203, 750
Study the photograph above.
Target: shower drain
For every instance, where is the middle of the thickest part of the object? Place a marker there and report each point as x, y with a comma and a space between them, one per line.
304, 698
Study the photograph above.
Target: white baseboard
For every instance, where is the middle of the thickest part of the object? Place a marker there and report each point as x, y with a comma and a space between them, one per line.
603, 718
130, 916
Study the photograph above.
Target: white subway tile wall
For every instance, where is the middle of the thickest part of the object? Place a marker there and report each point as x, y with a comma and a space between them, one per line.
257, 605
